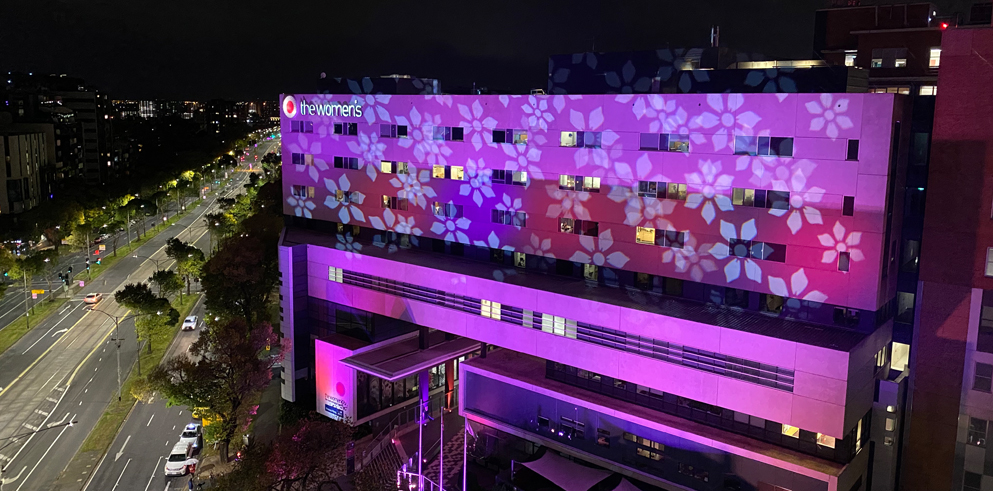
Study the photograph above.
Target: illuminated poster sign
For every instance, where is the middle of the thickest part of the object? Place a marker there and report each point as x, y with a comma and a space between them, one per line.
321, 108
335, 382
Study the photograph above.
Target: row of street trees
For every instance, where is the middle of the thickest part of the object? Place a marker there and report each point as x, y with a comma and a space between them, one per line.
231, 361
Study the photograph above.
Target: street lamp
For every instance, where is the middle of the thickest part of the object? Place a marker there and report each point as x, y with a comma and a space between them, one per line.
117, 338
156, 261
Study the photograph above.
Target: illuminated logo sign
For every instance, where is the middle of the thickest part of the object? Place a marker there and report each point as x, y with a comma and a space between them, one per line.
335, 108
335, 407
290, 106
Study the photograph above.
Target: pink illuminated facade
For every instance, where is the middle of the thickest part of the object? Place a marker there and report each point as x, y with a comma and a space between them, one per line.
713, 274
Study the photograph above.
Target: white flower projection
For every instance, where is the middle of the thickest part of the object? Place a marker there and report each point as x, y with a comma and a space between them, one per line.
537, 113
475, 123
830, 115
797, 289
371, 149
597, 250
690, 258
479, 185
373, 106
740, 255
840, 243
726, 119
452, 228
413, 186
708, 184
302, 207
347, 206
394, 222
539, 247
801, 199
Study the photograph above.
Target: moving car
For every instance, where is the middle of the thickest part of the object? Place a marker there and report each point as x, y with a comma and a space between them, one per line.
191, 434
93, 298
190, 323
180, 460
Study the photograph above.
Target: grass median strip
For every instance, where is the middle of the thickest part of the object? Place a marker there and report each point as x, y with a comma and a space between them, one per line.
105, 431
17, 329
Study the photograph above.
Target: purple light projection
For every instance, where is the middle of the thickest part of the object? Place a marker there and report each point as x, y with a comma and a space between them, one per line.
810, 224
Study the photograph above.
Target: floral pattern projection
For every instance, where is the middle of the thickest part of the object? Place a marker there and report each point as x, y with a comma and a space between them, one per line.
457, 185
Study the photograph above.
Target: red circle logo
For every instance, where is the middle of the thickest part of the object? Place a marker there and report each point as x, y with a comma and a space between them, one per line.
290, 106
340, 389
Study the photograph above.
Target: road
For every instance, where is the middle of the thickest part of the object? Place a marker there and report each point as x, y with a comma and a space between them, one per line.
140, 467
66, 368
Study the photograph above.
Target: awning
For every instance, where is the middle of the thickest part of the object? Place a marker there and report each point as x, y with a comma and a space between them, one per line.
394, 361
565, 473
626, 485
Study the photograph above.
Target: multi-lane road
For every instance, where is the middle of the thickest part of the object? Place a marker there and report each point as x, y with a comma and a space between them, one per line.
66, 370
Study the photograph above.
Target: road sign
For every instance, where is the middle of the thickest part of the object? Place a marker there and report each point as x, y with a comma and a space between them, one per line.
80, 283
103, 247
34, 296
37, 292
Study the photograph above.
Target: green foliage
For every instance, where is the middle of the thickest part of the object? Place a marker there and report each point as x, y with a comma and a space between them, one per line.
240, 278
189, 260
231, 367
135, 296
167, 281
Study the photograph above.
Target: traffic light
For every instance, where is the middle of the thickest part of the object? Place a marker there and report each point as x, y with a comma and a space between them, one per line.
87, 264
70, 270
98, 260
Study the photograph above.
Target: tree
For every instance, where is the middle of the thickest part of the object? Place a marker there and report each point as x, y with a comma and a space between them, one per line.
167, 281
6, 264
271, 164
139, 298
229, 368
189, 260
25, 268
240, 278
309, 454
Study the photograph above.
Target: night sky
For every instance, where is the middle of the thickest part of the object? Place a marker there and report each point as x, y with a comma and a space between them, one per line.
202, 49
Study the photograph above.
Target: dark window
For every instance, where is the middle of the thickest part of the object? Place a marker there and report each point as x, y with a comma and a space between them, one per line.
674, 239
972, 482
649, 141
782, 147
772, 303
739, 247
919, 149
977, 432
778, 200
499, 136
853, 150
848, 208
735, 297
745, 145
401, 131
984, 342
983, 380
457, 133
911, 256
844, 259
674, 287
643, 281
353, 129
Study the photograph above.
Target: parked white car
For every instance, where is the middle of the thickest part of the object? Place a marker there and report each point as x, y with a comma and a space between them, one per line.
191, 434
180, 460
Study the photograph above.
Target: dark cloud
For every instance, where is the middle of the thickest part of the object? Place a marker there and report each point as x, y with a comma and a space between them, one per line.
201, 49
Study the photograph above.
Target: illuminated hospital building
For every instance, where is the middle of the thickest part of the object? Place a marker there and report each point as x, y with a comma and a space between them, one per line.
701, 291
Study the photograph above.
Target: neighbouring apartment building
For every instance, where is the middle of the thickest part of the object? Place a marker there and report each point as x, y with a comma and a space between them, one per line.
696, 291
25, 154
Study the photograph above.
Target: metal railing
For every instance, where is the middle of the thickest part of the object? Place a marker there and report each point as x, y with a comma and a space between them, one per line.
408, 481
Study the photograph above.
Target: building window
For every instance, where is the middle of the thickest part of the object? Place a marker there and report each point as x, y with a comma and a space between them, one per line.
679, 143
689, 470
500, 176
977, 432
590, 272
983, 381
848, 206
901, 63
972, 481
579, 183
566, 225
490, 309
850, 59
742, 197
392, 131
302, 191
772, 303
929, 90
778, 200
877, 63
989, 261
844, 261
343, 196
791, 431
676, 191
825, 440
387, 167
853, 150
334, 274
301, 126
394, 203
935, 59
984, 341
449, 210
346, 163
346, 129
645, 235
453, 172
517, 219
582, 139
520, 260
567, 182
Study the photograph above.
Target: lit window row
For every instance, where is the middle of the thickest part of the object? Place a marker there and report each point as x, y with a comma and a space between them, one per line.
500, 176
664, 238
302, 191
343, 196
489, 309
665, 142
394, 203
662, 190
449, 133
579, 183
578, 227
453, 172
517, 137
559, 326
334, 274
581, 139
517, 219
392, 131
388, 167
302, 159
449, 210
756, 250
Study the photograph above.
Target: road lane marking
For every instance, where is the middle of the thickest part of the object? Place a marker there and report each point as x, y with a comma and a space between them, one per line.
122, 475
42, 457
99, 344
153, 473
121, 451
150, 421
50, 330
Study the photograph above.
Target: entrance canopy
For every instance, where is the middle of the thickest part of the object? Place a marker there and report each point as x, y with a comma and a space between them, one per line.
625, 485
565, 473
401, 359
